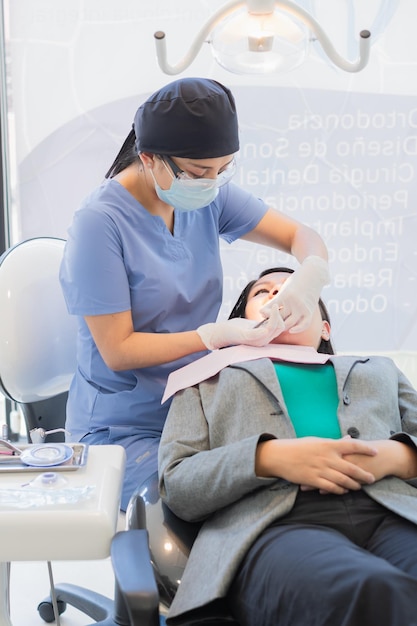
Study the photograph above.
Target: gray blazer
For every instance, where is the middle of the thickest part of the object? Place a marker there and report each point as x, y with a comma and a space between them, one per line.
207, 454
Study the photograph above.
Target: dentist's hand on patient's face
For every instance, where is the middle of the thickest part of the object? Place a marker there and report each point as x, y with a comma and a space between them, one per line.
299, 295
240, 331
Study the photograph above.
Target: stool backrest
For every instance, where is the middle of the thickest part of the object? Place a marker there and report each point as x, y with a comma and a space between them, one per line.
37, 335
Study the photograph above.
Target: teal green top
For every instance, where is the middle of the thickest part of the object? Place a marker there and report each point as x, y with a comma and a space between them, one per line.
310, 393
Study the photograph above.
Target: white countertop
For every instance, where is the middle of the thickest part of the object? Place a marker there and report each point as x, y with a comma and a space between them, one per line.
80, 531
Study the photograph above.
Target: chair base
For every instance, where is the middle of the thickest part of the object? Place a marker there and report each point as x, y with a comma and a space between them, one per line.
93, 604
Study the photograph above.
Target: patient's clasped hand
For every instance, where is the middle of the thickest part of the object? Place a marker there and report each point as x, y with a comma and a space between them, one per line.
304, 475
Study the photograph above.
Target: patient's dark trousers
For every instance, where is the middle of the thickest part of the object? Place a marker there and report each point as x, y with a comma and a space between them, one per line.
332, 561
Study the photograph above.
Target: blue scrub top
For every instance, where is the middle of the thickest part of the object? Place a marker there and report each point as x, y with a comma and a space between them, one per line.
119, 257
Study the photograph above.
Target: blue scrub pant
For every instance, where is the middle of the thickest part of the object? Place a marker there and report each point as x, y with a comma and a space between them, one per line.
332, 561
141, 457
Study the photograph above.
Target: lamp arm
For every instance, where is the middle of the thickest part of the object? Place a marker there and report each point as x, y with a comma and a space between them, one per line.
291, 7
326, 44
160, 41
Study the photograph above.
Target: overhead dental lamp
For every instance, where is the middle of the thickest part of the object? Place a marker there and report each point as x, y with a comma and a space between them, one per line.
259, 37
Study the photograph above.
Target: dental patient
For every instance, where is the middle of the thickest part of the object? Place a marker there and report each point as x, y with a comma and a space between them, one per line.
304, 474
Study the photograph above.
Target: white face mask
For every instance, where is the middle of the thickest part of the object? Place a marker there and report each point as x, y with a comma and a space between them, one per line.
188, 195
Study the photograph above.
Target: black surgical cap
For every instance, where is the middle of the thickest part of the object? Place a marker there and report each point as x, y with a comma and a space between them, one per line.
191, 117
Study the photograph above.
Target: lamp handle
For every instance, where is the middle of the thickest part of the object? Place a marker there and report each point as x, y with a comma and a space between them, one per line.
326, 44
160, 42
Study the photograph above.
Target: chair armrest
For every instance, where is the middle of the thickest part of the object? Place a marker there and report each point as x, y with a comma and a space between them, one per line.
134, 576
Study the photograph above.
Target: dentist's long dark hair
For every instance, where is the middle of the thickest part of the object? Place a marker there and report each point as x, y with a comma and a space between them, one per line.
239, 308
125, 157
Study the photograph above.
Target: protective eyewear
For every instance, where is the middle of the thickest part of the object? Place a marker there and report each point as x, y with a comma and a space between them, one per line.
222, 178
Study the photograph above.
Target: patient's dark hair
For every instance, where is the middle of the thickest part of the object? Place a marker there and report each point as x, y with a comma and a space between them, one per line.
238, 310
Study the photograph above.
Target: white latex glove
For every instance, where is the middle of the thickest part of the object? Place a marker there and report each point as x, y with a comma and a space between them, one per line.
239, 331
300, 294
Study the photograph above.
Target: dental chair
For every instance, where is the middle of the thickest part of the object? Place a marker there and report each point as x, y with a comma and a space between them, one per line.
37, 361
149, 560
